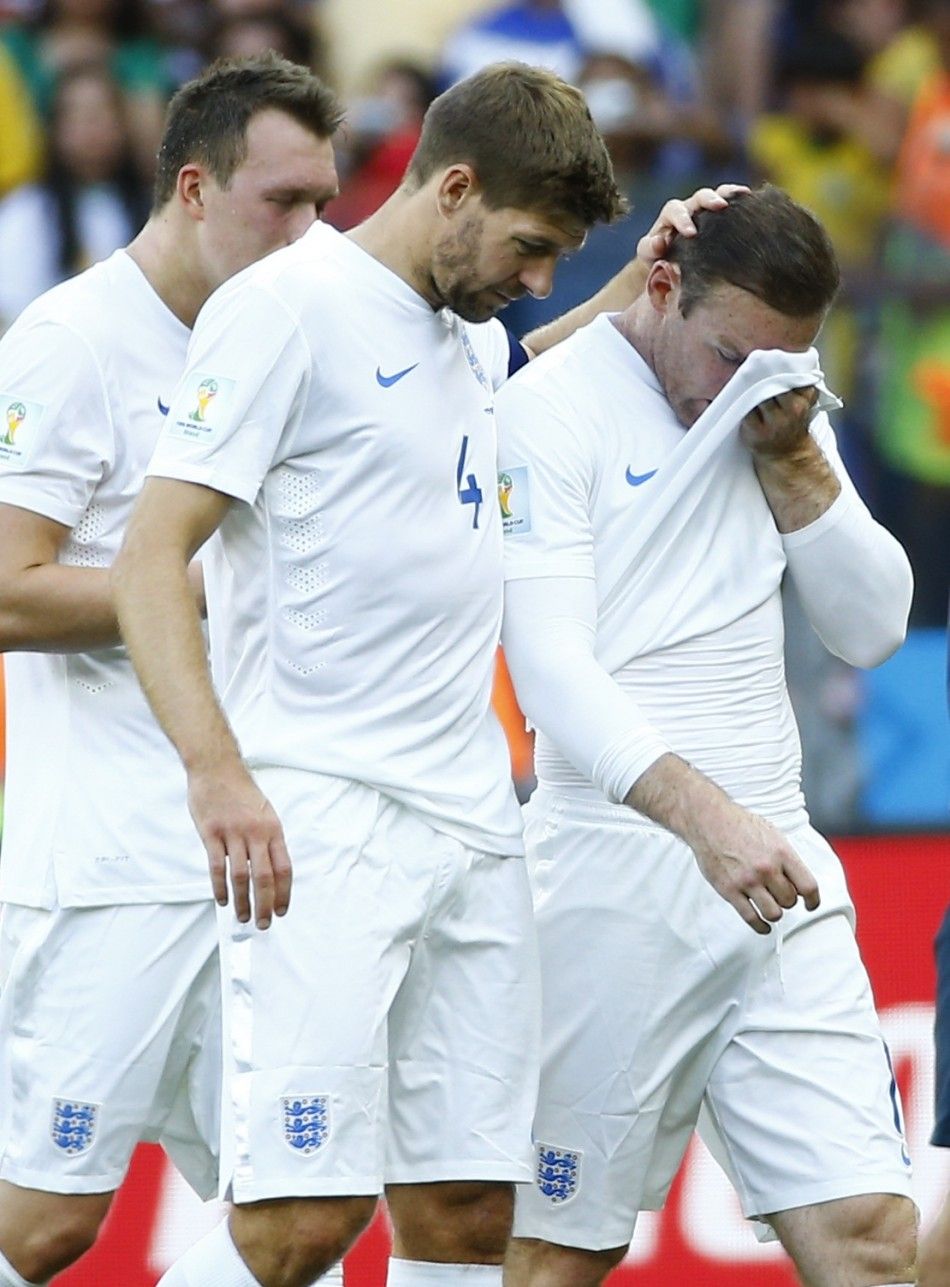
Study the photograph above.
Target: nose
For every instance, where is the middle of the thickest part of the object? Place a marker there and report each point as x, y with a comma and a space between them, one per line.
538, 278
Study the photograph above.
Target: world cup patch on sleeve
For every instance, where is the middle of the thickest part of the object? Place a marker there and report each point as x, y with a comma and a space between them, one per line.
306, 1122
515, 501
558, 1175
202, 407
73, 1125
19, 422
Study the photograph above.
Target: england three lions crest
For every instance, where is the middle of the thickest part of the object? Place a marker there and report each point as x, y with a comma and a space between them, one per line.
559, 1173
306, 1122
73, 1126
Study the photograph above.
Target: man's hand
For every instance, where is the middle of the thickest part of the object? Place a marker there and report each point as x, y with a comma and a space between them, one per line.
747, 861
676, 219
244, 839
752, 866
779, 426
798, 482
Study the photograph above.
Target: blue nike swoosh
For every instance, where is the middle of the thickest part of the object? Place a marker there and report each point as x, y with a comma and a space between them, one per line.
162, 408
636, 479
388, 380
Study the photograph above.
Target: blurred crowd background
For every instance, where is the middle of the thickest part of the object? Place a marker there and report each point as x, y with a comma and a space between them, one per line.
845, 103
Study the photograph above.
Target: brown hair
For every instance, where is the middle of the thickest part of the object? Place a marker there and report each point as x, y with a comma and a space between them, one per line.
529, 138
207, 119
762, 242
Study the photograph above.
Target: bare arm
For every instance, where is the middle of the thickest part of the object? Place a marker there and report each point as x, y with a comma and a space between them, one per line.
676, 218
161, 626
46, 606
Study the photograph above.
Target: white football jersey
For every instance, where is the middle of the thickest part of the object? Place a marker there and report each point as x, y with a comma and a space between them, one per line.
702, 641
95, 808
356, 601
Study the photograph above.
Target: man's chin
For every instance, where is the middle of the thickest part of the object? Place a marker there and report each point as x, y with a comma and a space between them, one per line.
479, 309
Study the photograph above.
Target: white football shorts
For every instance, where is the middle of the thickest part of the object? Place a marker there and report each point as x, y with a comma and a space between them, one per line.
386, 1029
659, 1000
109, 1034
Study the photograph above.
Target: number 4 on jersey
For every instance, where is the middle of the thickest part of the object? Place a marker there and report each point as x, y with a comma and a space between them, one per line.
472, 493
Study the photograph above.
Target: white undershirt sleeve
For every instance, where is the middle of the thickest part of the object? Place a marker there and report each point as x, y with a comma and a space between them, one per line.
548, 636
852, 575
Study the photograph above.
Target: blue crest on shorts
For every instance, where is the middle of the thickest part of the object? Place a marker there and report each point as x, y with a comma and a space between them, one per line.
559, 1172
306, 1122
73, 1127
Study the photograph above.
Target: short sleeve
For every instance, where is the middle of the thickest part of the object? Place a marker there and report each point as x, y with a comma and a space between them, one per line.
545, 483
56, 432
245, 382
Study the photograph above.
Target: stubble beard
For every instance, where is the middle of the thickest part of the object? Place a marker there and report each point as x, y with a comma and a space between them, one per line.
454, 265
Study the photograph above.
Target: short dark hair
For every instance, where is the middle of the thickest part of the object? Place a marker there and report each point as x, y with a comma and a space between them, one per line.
207, 119
529, 138
762, 242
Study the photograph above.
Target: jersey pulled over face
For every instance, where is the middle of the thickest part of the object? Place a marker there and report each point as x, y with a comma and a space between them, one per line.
355, 603
696, 356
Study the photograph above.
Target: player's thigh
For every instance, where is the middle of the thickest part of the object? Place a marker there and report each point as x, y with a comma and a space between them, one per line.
803, 1100
464, 1028
640, 973
92, 1007
871, 1238
460, 1222
48, 1229
306, 1002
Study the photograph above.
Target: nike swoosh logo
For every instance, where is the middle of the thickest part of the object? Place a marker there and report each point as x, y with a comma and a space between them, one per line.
387, 381
636, 479
162, 408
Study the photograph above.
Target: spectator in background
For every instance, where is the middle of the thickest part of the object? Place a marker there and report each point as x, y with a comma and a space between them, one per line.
538, 32
67, 33
914, 403
20, 138
817, 146
739, 34
381, 131
245, 33
91, 201
551, 33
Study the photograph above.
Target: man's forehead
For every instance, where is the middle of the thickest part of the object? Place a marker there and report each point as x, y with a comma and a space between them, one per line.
740, 319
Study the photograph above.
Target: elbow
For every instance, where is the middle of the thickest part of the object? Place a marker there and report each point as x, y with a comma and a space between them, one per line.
885, 644
874, 651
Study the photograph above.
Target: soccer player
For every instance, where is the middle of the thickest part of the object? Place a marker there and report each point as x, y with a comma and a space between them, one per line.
659, 482
109, 1011
382, 1032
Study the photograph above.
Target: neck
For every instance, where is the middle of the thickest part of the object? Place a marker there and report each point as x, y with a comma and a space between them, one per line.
399, 236
635, 325
166, 257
